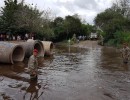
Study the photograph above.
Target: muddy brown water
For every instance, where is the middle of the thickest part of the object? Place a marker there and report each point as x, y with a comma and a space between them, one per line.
92, 73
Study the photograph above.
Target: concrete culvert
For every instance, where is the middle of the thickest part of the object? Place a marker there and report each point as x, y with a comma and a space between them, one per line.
30, 45
49, 46
18, 53
39, 47
11, 52
33, 44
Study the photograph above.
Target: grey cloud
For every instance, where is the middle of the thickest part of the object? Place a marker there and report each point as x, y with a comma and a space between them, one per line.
75, 5
86, 4
79, 4
89, 8
70, 6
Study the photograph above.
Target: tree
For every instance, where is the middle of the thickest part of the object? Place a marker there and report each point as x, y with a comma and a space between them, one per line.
58, 21
72, 26
122, 7
86, 29
21, 18
28, 18
59, 29
111, 21
115, 22
65, 28
7, 17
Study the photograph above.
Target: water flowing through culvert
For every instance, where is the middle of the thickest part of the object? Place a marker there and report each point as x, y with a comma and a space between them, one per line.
91, 73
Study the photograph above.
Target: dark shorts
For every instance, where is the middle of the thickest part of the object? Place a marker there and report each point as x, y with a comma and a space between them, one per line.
33, 77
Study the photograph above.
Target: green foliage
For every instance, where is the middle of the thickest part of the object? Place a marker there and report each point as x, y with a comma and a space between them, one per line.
119, 38
59, 30
111, 42
101, 33
110, 21
8, 18
66, 28
28, 18
20, 18
114, 23
86, 29
72, 25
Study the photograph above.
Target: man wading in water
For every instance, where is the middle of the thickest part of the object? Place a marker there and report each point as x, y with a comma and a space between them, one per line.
33, 65
125, 53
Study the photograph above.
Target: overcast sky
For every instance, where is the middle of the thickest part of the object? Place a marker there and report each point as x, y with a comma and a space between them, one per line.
87, 9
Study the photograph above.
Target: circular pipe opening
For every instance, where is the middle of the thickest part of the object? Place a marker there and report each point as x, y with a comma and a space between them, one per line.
39, 47
18, 54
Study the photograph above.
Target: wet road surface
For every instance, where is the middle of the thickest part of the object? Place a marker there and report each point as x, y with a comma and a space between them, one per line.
91, 73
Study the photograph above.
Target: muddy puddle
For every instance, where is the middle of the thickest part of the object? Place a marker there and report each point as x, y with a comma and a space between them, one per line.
70, 74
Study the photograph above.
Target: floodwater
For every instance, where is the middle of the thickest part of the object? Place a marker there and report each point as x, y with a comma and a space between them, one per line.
91, 73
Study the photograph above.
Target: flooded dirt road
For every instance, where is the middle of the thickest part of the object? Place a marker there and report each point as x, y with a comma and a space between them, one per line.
73, 73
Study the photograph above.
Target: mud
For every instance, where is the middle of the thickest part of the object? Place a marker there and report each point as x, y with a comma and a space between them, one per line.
86, 72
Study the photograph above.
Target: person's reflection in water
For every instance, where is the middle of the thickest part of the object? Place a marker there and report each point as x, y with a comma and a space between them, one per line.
33, 89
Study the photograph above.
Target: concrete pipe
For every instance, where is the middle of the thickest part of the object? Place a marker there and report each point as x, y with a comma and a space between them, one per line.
33, 44
48, 45
11, 52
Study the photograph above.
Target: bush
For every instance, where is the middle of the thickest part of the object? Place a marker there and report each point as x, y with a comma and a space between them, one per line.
119, 38
111, 42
